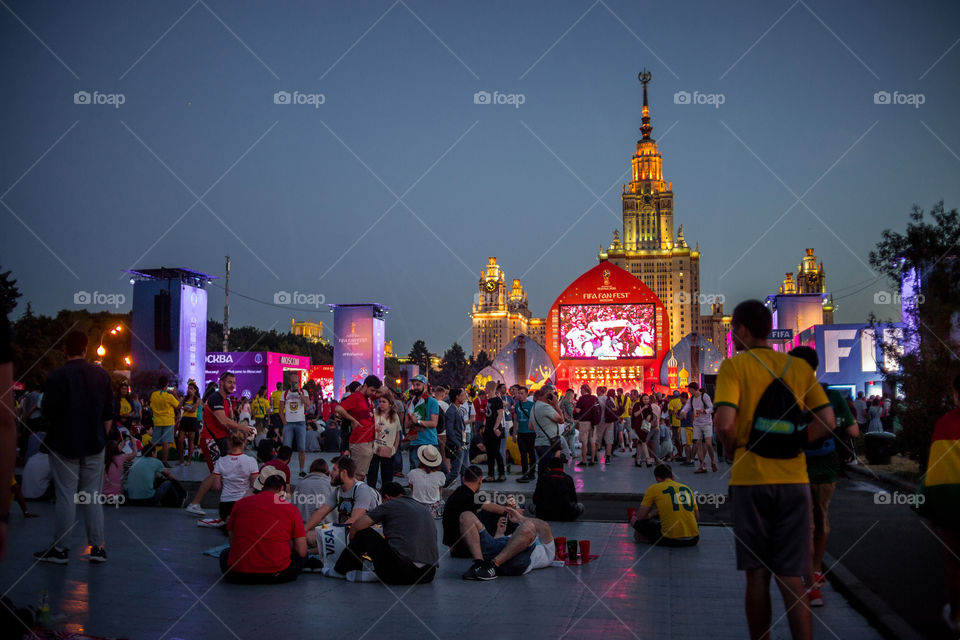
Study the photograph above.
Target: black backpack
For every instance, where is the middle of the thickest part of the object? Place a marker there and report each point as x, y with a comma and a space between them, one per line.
779, 427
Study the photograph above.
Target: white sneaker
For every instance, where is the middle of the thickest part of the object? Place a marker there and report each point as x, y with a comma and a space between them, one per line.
212, 523
330, 573
194, 509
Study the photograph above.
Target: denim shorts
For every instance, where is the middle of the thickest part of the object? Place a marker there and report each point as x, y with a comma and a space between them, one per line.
515, 566
163, 434
298, 429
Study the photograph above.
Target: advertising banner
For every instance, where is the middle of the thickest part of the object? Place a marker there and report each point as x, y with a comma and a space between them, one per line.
250, 367
357, 344
193, 335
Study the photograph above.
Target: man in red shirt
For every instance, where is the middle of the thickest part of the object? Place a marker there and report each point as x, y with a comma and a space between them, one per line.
357, 409
268, 544
218, 420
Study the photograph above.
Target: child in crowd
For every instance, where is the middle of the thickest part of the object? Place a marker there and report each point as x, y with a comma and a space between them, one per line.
427, 479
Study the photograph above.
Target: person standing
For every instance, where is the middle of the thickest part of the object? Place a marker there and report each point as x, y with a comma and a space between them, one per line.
188, 423
218, 419
456, 429
769, 485
545, 420
702, 408
587, 412
356, 410
260, 409
525, 436
78, 409
276, 398
939, 489
385, 442
493, 433
165, 406
294, 418
422, 418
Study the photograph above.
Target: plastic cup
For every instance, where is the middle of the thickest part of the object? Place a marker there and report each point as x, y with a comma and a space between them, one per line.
630, 513
560, 548
584, 551
572, 555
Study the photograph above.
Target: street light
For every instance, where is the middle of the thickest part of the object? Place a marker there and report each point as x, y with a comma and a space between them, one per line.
101, 351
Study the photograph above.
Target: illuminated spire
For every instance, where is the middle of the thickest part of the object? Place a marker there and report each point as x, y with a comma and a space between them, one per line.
646, 127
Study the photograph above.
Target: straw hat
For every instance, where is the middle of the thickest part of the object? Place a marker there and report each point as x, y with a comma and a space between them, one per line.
266, 472
429, 455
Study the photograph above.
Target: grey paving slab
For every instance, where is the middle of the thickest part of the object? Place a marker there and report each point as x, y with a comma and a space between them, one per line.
157, 584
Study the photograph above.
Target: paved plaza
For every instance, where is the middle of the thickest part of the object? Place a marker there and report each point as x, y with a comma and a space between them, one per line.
157, 584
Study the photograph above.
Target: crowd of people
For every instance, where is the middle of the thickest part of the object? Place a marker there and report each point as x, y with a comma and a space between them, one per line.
785, 435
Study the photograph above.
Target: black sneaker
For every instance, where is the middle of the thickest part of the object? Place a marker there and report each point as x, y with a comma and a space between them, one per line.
54, 555
313, 564
471, 573
486, 570
303, 474
97, 554
524, 479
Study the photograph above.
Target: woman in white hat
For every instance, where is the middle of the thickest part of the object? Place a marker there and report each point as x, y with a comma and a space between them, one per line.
427, 479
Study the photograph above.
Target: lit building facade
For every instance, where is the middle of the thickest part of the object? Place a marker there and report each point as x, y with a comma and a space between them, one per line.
649, 249
312, 331
716, 326
802, 300
500, 313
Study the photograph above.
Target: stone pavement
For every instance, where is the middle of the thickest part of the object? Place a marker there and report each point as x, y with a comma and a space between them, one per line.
157, 584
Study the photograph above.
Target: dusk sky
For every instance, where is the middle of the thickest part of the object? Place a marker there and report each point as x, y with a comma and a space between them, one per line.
398, 186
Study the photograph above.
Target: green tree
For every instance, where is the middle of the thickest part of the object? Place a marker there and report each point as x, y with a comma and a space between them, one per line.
420, 355
9, 293
928, 364
455, 371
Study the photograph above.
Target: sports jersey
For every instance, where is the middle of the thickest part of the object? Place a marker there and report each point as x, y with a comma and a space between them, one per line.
676, 506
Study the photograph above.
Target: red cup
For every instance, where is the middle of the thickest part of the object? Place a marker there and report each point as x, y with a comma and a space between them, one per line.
630, 513
584, 551
560, 548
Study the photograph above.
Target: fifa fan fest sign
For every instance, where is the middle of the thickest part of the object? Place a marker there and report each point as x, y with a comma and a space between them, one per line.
358, 341
607, 328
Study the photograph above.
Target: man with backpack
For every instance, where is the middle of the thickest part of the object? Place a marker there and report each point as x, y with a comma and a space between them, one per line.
587, 413
760, 399
701, 407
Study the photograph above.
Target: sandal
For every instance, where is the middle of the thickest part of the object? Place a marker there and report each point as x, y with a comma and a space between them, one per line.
489, 479
701, 470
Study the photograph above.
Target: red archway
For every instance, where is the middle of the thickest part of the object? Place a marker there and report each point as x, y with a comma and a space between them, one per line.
608, 328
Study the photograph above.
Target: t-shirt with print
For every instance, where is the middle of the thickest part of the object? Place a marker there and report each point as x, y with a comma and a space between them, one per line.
424, 410
164, 405
676, 506
523, 416
741, 382
235, 471
358, 406
362, 496
426, 486
293, 409
494, 405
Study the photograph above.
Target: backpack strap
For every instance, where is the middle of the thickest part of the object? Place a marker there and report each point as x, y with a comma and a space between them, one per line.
787, 366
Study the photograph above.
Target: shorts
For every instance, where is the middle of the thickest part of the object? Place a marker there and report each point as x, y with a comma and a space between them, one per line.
298, 429
189, 425
163, 435
651, 531
771, 523
605, 433
362, 454
686, 435
820, 495
536, 556
588, 434
702, 431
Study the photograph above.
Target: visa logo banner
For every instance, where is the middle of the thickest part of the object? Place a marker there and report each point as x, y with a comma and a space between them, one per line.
854, 350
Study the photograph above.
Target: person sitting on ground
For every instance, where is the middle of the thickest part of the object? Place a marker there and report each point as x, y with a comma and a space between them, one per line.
267, 447
314, 491
464, 500
312, 438
37, 479
150, 484
352, 498
114, 460
555, 497
676, 507
530, 547
268, 544
428, 478
282, 461
406, 553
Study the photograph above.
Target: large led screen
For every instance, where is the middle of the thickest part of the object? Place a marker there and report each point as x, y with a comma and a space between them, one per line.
607, 331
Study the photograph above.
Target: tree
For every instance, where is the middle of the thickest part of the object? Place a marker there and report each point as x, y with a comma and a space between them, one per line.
926, 253
455, 371
480, 362
9, 293
419, 355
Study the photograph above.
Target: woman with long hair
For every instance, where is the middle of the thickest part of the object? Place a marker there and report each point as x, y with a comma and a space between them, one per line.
114, 461
386, 442
124, 405
641, 418
189, 424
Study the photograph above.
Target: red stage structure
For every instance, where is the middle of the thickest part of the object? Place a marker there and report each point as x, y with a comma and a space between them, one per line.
608, 328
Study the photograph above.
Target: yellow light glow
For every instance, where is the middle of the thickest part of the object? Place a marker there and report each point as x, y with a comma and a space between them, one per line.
126, 360
118, 329
101, 351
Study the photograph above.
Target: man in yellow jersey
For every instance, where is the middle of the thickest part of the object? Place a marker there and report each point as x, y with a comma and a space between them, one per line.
260, 409
769, 486
668, 514
673, 409
276, 398
164, 405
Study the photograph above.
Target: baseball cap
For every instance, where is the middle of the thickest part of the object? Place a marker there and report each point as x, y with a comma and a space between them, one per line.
419, 378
